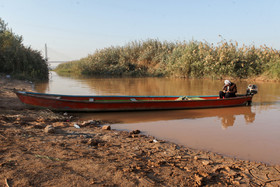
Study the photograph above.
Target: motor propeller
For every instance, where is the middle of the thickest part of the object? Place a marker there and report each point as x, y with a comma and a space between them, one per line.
252, 89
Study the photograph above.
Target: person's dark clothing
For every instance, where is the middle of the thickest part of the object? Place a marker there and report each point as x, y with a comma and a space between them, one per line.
232, 89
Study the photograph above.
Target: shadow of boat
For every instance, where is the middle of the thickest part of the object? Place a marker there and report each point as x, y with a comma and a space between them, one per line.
227, 115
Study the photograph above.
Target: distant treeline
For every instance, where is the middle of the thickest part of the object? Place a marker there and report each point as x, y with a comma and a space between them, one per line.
17, 60
191, 59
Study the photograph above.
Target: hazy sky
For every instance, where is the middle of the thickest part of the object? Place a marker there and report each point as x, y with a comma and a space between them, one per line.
73, 29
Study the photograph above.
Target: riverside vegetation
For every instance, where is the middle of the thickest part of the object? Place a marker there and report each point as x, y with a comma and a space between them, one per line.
19, 61
191, 59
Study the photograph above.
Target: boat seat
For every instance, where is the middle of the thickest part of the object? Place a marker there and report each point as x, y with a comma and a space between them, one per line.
188, 98
181, 98
195, 98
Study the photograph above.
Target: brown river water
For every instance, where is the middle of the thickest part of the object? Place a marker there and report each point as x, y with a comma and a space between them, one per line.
247, 132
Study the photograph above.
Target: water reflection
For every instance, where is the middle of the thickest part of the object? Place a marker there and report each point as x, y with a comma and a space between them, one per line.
250, 118
227, 121
227, 116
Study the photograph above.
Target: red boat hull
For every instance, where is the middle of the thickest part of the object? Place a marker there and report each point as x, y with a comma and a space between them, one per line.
127, 103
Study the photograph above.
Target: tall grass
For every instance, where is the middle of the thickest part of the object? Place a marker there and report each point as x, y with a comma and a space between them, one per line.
20, 61
191, 59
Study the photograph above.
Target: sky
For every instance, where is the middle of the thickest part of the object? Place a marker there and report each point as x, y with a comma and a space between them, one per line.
73, 29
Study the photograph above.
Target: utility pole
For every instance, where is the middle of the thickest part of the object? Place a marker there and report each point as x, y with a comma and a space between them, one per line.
46, 53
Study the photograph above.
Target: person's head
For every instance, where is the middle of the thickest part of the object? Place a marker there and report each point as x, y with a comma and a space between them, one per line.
227, 82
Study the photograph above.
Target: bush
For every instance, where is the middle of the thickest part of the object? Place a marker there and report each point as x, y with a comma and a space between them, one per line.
191, 59
20, 61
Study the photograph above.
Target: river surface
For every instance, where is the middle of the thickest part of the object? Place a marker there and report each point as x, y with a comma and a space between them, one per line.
248, 132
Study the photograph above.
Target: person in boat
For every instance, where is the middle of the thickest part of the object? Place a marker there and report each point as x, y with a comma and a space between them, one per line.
229, 90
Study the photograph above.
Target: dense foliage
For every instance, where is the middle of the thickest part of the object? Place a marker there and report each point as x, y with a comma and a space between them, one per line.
20, 61
181, 59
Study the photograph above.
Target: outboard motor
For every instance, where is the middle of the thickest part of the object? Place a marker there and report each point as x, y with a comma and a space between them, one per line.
252, 89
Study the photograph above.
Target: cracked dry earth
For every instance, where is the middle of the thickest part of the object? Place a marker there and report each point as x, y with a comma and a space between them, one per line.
42, 148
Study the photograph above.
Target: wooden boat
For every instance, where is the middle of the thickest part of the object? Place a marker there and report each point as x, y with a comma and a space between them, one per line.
128, 103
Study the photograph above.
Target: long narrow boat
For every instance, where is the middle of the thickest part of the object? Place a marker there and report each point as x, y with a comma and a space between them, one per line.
128, 103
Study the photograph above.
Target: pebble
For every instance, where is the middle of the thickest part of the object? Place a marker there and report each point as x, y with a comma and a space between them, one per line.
92, 142
88, 123
135, 132
205, 162
60, 124
49, 129
76, 125
236, 183
106, 127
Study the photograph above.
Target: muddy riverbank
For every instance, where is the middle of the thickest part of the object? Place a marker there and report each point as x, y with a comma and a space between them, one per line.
42, 148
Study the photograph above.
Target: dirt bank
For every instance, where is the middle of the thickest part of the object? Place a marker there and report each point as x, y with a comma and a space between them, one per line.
42, 148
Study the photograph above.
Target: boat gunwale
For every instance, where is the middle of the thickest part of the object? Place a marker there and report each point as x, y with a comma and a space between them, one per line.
53, 97
61, 95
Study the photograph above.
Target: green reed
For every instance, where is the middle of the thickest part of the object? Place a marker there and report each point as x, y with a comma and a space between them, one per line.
191, 59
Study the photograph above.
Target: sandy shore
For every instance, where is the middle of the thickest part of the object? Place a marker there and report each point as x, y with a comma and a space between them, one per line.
42, 148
